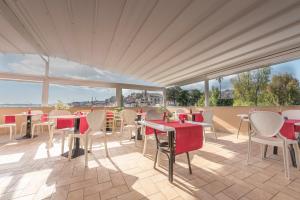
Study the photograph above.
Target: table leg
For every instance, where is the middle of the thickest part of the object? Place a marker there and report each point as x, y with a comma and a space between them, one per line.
293, 156
28, 129
76, 151
172, 155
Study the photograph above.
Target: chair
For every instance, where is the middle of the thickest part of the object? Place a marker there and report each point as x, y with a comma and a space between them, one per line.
9, 122
97, 127
52, 125
35, 119
177, 112
117, 120
128, 121
150, 115
265, 127
208, 121
291, 114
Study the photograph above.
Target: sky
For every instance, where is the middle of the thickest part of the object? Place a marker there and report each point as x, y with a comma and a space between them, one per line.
291, 67
26, 93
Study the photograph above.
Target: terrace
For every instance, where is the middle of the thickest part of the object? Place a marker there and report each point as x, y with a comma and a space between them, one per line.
120, 67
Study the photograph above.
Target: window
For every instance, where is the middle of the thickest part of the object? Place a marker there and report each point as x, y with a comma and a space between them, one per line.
68, 69
154, 98
82, 96
22, 64
20, 94
134, 98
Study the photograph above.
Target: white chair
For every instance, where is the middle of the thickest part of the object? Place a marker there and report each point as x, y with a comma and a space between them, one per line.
11, 124
291, 114
35, 119
265, 127
150, 115
52, 122
208, 121
97, 127
128, 122
177, 112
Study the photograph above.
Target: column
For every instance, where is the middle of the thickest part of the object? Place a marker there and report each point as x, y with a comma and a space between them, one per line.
119, 96
206, 93
165, 97
45, 90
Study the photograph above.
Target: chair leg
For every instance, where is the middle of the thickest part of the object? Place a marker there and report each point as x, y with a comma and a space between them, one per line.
249, 150
204, 136
155, 158
189, 162
62, 142
285, 160
145, 144
50, 142
32, 131
213, 129
10, 133
86, 150
70, 144
105, 145
296, 147
238, 133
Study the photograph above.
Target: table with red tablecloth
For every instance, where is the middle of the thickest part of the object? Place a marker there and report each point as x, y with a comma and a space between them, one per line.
182, 137
289, 129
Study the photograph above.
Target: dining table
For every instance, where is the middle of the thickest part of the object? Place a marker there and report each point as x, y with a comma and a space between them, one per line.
28, 116
80, 126
181, 137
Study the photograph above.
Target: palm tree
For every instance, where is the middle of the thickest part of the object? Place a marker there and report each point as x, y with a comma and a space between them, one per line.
219, 79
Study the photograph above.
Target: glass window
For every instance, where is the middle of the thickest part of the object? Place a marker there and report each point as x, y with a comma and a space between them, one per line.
154, 98
20, 94
63, 68
22, 64
82, 96
134, 98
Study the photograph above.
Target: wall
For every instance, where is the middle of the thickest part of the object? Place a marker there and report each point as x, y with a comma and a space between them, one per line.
226, 120
20, 119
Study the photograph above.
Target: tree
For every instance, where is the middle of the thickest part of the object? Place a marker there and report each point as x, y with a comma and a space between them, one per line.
183, 98
194, 96
250, 87
284, 89
214, 96
172, 94
220, 79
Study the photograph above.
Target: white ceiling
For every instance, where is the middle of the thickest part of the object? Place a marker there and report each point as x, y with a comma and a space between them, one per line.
162, 41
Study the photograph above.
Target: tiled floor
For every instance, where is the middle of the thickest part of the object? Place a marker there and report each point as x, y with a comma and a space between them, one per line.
29, 171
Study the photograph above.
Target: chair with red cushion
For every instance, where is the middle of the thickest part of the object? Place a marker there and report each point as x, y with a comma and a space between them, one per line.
9, 122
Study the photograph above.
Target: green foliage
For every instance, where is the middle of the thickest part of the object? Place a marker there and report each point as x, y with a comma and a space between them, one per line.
225, 102
201, 101
214, 96
284, 89
250, 87
194, 96
61, 106
183, 98
172, 94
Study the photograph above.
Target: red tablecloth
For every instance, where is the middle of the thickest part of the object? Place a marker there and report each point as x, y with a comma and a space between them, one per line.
198, 117
288, 129
62, 123
189, 137
9, 119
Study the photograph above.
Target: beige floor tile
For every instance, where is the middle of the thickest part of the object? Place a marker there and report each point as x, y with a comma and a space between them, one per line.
215, 187
258, 194
282, 196
236, 191
75, 195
